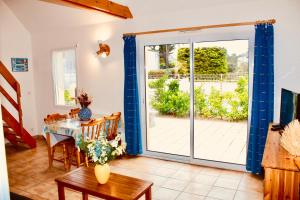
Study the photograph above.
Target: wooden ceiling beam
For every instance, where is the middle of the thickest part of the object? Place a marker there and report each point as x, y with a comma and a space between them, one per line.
105, 6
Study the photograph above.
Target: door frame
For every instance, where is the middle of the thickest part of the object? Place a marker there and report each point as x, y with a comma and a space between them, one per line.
226, 34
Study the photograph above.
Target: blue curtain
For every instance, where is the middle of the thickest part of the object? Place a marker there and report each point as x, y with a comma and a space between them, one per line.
131, 98
263, 95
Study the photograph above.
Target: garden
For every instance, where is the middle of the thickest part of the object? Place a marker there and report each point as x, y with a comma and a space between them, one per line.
211, 65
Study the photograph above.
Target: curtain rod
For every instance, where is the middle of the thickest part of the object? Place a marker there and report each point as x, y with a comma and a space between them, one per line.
195, 28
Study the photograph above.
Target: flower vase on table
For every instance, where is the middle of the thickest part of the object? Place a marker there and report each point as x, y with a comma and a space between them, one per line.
84, 100
101, 152
85, 114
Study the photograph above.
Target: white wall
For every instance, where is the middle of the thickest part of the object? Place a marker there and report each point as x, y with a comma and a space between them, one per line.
15, 41
4, 187
103, 78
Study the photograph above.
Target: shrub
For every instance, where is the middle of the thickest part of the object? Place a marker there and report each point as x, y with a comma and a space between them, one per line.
170, 100
156, 73
200, 100
215, 108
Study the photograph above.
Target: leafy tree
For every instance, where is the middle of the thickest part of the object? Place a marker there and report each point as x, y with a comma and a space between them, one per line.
164, 53
232, 61
67, 97
208, 60
183, 58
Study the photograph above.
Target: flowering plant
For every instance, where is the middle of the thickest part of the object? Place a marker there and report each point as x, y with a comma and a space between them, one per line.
101, 151
84, 99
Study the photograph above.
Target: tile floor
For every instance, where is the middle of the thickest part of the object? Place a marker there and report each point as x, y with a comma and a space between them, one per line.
29, 176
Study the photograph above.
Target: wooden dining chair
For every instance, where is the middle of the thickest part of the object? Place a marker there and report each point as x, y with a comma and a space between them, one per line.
64, 144
94, 129
74, 113
112, 124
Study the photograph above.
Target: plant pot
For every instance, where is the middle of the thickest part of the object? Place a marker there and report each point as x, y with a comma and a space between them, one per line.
85, 114
102, 173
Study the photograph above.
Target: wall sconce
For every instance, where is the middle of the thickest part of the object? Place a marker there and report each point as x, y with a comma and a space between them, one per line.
104, 50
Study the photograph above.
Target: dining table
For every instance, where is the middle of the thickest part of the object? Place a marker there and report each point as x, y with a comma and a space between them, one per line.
69, 128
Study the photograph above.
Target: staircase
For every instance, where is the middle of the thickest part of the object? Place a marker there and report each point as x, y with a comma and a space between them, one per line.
13, 128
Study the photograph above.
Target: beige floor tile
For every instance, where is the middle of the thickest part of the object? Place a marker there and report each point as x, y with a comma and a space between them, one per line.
183, 175
175, 184
173, 165
157, 180
192, 168
222, 193
188, 196
227, 183
241, 195
199, 189
166, 194
229, 174
251, 183
166, 172
29, 176
210, 198
211, 171
205, 179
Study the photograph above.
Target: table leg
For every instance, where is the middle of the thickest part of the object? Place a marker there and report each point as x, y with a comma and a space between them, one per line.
148, 194
61, 192
50, 150
84, 196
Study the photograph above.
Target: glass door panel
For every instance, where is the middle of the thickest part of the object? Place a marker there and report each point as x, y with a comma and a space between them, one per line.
221, 100
167, 86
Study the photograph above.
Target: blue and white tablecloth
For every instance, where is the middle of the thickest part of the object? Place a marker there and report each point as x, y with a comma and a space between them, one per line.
65, 129
62, 130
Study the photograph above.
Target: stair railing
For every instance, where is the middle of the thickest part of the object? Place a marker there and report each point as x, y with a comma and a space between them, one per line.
16, 86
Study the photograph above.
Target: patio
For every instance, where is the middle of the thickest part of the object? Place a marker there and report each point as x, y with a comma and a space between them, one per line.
214, 139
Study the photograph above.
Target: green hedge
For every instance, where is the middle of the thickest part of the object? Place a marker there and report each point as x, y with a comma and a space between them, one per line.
208, 60
169, 100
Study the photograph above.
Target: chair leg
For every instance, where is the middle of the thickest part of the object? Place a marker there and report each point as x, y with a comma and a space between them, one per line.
50, 150
78, 157
86, 159
70, 154
65, 157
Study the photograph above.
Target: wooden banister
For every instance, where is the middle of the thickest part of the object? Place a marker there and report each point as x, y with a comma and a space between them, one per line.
9, 98
17, 126
8, 76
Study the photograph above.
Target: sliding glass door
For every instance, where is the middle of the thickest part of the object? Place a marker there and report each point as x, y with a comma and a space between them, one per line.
167, 100
195, 100
221, 100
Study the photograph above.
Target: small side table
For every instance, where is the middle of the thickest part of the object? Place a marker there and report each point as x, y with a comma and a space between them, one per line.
118, 186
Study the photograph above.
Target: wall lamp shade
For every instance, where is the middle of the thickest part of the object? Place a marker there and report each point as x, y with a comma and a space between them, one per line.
104, 50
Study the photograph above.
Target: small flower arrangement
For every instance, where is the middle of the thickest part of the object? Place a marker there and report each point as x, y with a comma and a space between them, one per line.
83, 99
101, 151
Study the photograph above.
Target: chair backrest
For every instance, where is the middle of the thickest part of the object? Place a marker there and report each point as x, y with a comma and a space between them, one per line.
112, 123
51, 118
74, 112
93, 129
116, 114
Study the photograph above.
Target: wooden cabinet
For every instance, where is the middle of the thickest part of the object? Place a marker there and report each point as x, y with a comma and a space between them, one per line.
282, 176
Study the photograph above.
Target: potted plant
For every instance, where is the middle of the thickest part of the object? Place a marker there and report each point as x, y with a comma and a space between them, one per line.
84, 100
101, 152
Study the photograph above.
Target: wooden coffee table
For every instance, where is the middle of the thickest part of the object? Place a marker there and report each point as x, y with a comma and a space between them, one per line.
118, 186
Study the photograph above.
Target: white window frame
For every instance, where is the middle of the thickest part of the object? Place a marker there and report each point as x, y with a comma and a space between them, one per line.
209, 35
75, 48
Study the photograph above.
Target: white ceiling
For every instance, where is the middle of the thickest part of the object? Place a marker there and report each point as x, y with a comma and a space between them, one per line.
35, 15
38, 15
